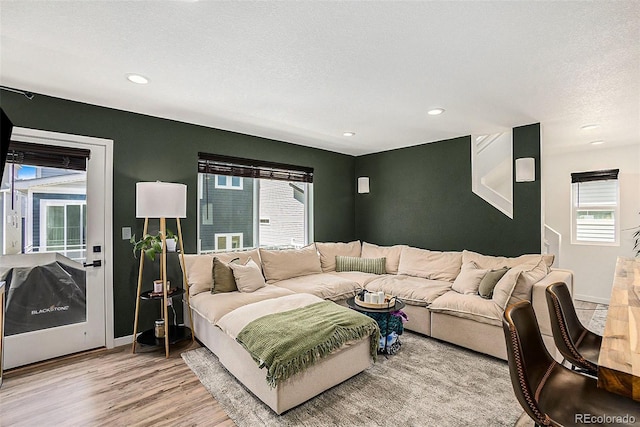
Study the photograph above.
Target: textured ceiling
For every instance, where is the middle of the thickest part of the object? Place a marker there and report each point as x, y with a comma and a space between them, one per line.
305, 72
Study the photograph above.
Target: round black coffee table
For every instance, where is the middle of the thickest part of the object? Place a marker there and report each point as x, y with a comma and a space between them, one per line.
399, 305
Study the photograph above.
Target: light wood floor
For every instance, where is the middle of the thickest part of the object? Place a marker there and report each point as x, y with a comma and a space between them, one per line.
109, 388
117, 388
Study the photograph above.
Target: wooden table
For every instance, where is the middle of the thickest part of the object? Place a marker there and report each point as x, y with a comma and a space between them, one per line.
619, 361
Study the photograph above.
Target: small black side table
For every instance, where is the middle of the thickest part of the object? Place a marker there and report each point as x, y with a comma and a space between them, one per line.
176, 333
399, 305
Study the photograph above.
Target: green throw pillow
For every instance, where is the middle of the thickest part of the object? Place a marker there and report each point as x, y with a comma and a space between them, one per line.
364, 265
223, 280
489, 282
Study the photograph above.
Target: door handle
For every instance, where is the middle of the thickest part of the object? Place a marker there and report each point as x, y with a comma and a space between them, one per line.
95, 263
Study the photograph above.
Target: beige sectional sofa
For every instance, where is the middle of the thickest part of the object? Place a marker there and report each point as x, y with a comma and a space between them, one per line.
440, 289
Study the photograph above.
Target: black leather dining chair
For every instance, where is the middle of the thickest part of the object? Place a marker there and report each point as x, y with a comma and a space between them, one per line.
578, 345
551, 394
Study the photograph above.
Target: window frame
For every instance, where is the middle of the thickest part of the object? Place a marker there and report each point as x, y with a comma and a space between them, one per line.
216, 165
614, 208
228, 182
230, 237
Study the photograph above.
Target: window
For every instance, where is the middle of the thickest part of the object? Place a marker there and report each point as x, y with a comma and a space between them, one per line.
65, 227
229, 182
595, 207
228, 241
272, 208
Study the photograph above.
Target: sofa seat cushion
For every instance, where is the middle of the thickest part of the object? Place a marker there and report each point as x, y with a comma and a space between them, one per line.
411, 290
468, 306
324, 285
329, 251
356, 276
213, 306
434, 265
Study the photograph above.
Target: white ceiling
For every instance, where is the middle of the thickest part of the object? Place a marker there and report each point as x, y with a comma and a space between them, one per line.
305, 72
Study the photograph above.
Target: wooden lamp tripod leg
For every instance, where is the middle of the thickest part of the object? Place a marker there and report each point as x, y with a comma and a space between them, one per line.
163, 273
135, 322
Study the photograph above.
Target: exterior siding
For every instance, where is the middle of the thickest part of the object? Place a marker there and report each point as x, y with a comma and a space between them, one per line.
37, 197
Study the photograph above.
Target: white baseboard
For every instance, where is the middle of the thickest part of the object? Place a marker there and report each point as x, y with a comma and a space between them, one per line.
590, 298
126, 340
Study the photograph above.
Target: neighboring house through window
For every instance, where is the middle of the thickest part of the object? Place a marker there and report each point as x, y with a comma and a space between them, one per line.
595, 207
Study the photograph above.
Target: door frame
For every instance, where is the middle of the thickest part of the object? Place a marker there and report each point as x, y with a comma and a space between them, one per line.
44, 137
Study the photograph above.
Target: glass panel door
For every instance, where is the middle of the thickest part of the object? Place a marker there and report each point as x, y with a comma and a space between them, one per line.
55, 303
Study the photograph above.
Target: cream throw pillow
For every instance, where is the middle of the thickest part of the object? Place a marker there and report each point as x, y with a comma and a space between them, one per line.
248, 276
391, 253
329, 251
468, 281
516, 284
285, 264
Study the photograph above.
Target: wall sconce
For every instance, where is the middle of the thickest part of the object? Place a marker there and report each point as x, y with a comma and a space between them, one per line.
363, 184
526, 169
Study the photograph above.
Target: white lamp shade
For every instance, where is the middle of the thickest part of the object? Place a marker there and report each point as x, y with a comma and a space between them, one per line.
161, 200
526, 169
363, 184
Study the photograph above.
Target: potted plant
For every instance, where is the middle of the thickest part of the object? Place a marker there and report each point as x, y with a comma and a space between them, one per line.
151, 244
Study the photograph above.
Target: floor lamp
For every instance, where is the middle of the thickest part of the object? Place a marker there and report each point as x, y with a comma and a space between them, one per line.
162, 200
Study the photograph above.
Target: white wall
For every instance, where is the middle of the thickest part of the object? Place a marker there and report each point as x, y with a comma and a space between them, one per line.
593, 266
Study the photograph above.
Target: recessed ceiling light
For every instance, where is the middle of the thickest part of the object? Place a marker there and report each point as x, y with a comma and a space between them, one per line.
590, 127
137, 78
435, 111
597, 142
348, 134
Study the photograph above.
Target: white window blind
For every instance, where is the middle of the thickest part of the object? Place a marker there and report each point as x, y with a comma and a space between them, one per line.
595, 208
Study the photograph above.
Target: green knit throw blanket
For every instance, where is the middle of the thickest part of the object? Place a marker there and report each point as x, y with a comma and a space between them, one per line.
287, 343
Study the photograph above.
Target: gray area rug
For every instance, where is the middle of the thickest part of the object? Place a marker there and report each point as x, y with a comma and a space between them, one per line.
599, 319
428, 383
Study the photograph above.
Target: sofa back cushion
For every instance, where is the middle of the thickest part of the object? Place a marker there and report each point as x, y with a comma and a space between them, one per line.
496, 262
285, 264
391, 253
329, 251
199, 275
432, 265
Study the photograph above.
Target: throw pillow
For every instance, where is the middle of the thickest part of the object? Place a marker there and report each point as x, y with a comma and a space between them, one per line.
489, 281
469, 279
364, 265
248, 276
223, 280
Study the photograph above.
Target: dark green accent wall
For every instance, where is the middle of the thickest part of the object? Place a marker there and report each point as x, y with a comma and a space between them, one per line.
148, 148
421, 196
